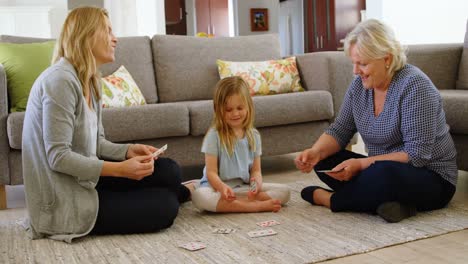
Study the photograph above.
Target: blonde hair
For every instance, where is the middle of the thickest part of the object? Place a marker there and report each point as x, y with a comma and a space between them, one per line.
226, 88
76, 42
375, 40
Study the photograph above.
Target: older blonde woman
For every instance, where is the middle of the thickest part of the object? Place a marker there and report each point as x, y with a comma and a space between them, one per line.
398, 112
76, 181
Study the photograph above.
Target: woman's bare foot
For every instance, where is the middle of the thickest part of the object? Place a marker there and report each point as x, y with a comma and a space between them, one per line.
191, 186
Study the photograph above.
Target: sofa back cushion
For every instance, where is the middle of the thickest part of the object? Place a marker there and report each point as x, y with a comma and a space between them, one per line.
135, 54
186, 66
132, 52
438, 61
462, 82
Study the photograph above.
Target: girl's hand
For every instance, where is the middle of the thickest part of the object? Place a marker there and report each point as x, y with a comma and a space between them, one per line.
306, 160
137, 168
255, 187
227, 193
346, 170
139, 150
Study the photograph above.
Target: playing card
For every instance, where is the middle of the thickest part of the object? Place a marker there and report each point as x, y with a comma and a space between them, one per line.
330, 170
223, 230
268, 223
261, 233
192, 246
159, 151
253, 186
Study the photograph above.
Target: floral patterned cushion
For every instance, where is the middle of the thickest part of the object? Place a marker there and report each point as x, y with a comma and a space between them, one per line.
265, 77
119, 89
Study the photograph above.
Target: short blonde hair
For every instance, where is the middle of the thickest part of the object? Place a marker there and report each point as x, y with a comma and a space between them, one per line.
76, 41
375, 40
226, 88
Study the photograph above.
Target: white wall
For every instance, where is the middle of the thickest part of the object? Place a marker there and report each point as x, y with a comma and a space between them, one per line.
422, 21
34, 25
191, 17
291, 27
243, 13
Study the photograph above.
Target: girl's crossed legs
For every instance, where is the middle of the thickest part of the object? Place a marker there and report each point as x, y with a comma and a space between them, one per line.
270, 198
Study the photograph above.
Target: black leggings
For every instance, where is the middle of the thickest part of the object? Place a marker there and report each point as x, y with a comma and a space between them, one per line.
128, 206
385, 181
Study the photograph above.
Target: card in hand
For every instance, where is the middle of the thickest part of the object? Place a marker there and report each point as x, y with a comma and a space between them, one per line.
159, 151
223, 230
268, 223
330, 171
192, 246
253, 186
261, 233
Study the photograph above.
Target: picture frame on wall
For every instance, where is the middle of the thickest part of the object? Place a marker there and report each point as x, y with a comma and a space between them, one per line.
259, 19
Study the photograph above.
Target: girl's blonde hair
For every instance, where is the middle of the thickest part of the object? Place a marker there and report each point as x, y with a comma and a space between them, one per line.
375, 40
79, 33
226, 88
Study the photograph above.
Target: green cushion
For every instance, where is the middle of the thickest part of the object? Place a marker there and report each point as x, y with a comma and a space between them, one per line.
23, 63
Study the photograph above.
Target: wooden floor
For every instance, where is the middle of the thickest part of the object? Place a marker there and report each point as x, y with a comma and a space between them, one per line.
449, 248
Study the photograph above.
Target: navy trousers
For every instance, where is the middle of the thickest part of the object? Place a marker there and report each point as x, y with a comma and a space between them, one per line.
385, 181
128, 206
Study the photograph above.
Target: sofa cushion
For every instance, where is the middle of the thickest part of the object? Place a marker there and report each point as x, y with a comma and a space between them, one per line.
23, 63
275, 110
135, 54
119, 89
264, 77
456, 110
462, 82
442, 64
186, 66
146, 122
142, 122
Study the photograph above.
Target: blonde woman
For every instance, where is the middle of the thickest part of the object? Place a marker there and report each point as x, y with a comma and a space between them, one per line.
76, 181
398, 112
232, 179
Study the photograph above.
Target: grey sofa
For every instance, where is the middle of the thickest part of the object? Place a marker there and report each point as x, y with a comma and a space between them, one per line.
177, 75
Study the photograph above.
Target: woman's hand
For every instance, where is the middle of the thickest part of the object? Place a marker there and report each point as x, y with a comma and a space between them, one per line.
138, 167
227, 193
347, 169
139, 150
307, 159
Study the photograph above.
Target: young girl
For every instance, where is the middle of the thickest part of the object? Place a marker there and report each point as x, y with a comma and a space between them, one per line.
232, 178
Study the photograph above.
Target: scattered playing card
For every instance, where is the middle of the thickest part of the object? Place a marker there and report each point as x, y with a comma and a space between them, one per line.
223, 230
268, 223
261, 233
192, 246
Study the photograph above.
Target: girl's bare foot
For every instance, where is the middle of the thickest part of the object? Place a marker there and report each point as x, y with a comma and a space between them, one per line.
272, 205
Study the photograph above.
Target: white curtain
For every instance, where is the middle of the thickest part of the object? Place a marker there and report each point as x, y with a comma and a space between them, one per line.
123, 17
136, 17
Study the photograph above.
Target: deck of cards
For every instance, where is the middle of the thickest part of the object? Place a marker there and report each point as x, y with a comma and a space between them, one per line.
193, 246
159, 151
262, 233
268, 223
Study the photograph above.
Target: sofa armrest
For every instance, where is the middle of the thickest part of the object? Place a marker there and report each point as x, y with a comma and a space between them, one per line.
330, 70
4, 146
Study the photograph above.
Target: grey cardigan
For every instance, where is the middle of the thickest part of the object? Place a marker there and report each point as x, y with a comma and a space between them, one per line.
59, 170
